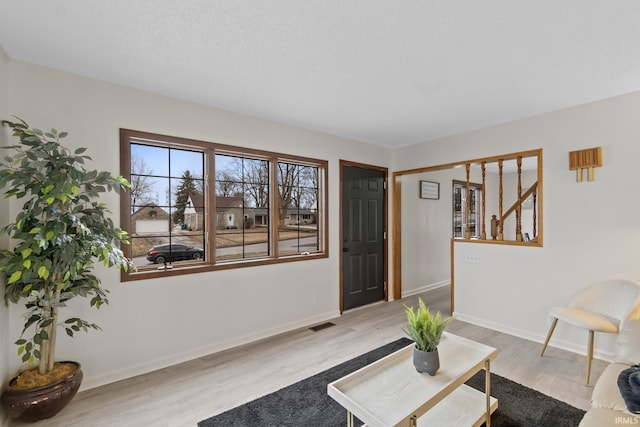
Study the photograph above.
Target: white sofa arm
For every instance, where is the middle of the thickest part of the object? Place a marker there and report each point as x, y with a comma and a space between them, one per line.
606, 393
629, 343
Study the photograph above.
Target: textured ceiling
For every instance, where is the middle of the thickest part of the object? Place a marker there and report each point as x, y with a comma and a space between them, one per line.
391, 73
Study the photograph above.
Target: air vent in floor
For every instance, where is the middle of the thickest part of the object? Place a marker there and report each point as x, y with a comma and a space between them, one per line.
322, 326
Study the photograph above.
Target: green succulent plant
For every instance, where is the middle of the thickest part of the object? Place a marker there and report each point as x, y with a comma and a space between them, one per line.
424, 328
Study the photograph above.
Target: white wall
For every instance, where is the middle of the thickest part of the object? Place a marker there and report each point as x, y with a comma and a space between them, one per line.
591, 229
155, 323
5, 342
425, 261
4, 209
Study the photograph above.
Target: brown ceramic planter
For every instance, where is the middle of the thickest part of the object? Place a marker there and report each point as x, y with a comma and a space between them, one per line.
44, 402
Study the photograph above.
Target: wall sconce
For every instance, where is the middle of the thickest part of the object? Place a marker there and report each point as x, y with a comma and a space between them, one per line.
585, 159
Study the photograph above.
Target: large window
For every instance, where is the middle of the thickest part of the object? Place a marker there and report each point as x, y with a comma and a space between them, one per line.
197, 205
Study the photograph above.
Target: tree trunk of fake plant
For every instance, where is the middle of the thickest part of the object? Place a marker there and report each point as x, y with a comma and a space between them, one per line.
44, 351
47, 346
53, 334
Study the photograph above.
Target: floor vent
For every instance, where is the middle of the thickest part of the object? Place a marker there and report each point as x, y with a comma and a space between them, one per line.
322, 326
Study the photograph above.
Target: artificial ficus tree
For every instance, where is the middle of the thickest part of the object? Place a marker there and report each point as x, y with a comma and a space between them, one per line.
60, 231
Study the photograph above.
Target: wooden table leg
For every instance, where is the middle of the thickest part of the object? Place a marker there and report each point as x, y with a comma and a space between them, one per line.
350, 422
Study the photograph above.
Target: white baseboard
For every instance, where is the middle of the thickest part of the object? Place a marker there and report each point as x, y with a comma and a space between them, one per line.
425, 288
160, 363
561, 344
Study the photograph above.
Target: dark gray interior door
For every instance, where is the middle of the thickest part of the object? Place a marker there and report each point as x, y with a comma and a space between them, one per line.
363, 280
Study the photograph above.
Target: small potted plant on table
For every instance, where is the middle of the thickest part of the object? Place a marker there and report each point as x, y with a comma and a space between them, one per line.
60, 230
425, 329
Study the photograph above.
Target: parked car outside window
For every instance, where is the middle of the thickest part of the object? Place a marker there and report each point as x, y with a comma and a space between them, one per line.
173, 252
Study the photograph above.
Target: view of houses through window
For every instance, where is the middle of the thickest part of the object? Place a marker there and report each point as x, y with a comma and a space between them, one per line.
178, 218
163, 180
298, 208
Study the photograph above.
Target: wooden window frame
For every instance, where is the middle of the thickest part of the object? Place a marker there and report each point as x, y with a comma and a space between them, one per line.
210, 149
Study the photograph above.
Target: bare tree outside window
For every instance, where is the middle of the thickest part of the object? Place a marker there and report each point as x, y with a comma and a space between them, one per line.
141, 183
246, 177
307, 194
297, 208
227, 184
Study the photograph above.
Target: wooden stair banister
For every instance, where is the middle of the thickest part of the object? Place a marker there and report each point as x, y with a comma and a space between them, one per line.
497, 222
519, 202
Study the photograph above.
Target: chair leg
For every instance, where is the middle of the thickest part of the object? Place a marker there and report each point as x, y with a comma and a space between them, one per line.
589, 355
553, 326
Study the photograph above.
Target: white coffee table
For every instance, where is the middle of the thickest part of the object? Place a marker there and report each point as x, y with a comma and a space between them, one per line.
390, 392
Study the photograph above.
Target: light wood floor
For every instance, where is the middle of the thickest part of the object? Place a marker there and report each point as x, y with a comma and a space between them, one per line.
184, 394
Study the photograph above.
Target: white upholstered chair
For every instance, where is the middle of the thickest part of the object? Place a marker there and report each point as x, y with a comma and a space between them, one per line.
602, 307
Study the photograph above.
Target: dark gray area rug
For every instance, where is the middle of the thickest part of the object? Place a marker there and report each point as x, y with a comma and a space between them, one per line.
307, 402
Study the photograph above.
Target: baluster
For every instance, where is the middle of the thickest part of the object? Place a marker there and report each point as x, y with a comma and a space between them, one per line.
483, 233
519, 208
500, 223
535, 202
494, 227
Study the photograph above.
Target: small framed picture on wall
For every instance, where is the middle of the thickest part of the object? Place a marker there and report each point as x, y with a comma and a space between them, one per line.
429, 190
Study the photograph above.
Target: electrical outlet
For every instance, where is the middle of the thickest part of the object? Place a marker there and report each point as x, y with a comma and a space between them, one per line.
472, 259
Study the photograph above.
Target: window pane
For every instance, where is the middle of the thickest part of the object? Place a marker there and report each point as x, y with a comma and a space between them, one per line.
182, 161
155, 159
158, 204
459, 211
148, 190
141, 245
242, 208
178, 249
298, 209
188, 199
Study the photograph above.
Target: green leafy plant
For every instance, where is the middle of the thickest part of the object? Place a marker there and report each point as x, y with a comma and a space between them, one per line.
60, 231
424, 328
